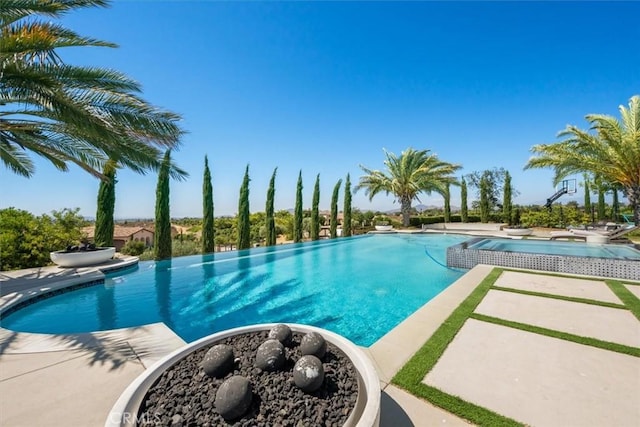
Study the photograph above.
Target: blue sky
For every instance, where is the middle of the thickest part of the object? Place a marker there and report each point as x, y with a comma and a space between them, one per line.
323, 87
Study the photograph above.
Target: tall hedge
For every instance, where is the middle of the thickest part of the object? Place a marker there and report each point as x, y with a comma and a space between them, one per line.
103, 235
315, 212
208, 232
333, 226
162, 247
244, 225
346, 226
297, 214
270, 221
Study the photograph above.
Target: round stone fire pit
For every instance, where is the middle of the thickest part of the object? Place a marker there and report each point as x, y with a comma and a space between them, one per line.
191, 385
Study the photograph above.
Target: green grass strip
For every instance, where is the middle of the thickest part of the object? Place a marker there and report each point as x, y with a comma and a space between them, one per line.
626, 296
561, 297
593, 342
411, 375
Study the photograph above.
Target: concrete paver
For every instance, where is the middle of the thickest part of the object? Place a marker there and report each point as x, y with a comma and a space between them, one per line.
634, 289
401, 409
66, 388
587, 320
539, 380
396, 347
63, 380
555, 285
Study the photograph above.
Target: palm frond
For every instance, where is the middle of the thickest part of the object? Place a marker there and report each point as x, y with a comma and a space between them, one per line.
610, 149
408, 175
15, 159
70, 114
15, 10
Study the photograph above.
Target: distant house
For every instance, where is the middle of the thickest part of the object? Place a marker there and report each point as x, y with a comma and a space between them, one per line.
122, 235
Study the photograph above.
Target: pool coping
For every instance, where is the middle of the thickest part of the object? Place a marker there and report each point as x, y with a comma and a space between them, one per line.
24, 287
390, 352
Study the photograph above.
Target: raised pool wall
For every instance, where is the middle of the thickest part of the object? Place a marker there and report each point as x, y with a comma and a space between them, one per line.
460, 256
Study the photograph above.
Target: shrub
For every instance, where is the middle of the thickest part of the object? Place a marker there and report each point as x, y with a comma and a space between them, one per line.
133, 247
185, 247
26, 240
417, 221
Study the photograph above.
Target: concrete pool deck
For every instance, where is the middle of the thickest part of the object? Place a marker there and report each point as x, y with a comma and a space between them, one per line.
51, 380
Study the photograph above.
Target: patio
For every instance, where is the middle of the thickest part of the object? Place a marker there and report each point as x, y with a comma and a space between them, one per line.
520, 372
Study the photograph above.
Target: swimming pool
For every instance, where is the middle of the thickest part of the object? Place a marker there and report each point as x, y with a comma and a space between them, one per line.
603, 260
359, 287
614, 251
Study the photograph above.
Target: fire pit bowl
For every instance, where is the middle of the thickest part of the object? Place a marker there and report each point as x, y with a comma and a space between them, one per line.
82, 258
128, 410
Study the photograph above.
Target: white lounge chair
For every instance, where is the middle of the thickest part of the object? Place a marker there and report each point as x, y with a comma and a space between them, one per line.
605, 235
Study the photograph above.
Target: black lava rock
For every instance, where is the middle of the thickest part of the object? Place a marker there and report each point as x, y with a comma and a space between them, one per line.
270, 355
313, 343
281, 333
183, 394
308, 373
218, 361
233, 398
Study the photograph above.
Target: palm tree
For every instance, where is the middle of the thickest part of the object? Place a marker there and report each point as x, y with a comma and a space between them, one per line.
610, 150
408, 175
71, 114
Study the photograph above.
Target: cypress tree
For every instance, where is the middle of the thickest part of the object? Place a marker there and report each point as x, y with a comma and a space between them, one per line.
163, 218
103, 235
315, 214
208, 236
346, 227
587, 196
244, 226
464, 208
507, 205
615, 205
484, 199
447, 203
269, 211
297, 214
601, 205
333, 226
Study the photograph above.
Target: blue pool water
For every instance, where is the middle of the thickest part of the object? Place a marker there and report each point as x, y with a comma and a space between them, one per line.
359, 287
559, 248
